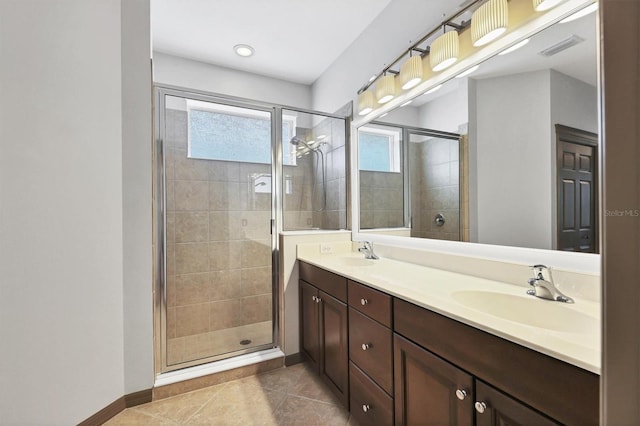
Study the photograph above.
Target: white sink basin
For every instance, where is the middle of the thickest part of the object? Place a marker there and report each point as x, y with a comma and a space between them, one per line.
528, 310
355, 261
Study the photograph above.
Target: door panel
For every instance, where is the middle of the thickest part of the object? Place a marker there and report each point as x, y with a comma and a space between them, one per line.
425, 388
577, 197
334, 366
309, 338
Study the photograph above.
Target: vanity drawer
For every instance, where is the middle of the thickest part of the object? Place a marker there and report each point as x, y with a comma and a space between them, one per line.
369, 403
371, 349
373, 303
330, 283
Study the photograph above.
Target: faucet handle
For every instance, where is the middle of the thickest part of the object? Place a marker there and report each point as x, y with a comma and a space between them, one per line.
539, 267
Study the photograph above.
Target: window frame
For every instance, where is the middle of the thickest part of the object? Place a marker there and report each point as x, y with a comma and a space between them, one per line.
395, 152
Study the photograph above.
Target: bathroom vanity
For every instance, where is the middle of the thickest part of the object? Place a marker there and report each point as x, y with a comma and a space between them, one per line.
395, 352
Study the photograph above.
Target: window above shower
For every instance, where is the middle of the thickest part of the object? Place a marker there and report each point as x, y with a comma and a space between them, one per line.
229, 133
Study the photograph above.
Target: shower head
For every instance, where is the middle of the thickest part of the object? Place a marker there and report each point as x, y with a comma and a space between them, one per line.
296, 141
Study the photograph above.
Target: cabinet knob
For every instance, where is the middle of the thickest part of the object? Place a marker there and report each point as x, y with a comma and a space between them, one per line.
313, 298
461, 394
363, 302
366, 346
366, 407
480, 407
318, 300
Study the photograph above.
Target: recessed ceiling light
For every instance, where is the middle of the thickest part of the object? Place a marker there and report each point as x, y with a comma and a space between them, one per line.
243, 50
514, 47
467, 72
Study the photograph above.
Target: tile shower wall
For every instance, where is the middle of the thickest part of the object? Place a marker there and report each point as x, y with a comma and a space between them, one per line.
434, 167
218, 248
334, 213
381, 200
298, 209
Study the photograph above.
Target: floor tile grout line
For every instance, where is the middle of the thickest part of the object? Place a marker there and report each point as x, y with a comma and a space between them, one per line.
222, 386
152, 415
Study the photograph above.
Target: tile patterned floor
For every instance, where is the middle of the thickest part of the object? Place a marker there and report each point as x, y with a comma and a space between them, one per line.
287, 396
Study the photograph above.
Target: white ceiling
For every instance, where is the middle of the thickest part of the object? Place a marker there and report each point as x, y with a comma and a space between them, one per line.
294, 40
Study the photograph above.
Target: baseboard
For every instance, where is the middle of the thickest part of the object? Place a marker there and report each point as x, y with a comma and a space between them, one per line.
117, 406
138, 398
106, 413
293, 359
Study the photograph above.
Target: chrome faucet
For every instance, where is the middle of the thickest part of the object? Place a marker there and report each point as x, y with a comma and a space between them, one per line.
545, 289
367, 249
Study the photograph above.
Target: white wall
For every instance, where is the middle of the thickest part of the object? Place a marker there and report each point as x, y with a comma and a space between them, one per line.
176, 71
63, 194
400, 23
574, 103
511, 117
449, 111
137, 200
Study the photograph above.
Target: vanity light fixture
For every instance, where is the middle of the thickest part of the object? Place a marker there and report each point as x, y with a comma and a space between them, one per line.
582, 12
514, 47
444, 51
411, 72
467, 72
542, 5
489, 22
386, 88
244, 50
365, 102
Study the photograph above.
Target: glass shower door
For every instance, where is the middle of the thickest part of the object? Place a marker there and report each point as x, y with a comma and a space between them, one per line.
218, 216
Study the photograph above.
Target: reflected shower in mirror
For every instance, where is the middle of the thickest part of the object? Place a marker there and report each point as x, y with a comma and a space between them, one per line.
315, 195
525, 178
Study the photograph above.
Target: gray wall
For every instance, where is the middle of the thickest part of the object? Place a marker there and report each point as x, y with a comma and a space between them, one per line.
66, 191
512, 123
190, 74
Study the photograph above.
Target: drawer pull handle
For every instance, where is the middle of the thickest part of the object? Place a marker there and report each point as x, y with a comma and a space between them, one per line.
363, 302
461, 394
366, 346
366, 407
480, 407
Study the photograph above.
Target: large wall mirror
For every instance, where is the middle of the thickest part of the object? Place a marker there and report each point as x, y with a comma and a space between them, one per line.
505, 155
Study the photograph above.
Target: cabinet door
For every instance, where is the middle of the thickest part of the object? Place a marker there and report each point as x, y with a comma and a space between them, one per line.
334, 367
309, 325
426, 387
497, 409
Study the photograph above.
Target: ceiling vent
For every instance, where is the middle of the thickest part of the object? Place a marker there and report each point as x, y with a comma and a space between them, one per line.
563, 45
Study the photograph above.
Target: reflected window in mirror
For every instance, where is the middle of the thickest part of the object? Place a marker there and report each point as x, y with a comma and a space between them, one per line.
382, 183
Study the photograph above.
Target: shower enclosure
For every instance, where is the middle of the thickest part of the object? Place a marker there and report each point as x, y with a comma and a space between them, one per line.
222, 175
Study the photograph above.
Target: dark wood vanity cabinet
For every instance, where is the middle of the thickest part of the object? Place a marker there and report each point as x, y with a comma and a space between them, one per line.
427, 388
495, 408
532, 385
324, 327
395, 362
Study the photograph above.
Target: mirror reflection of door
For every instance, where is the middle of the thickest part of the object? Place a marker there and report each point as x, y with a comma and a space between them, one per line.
577, 194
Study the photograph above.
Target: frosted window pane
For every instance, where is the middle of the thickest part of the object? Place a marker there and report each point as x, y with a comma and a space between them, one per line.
374, 152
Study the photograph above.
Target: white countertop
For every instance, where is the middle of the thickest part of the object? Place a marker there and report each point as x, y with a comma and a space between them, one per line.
569, 332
